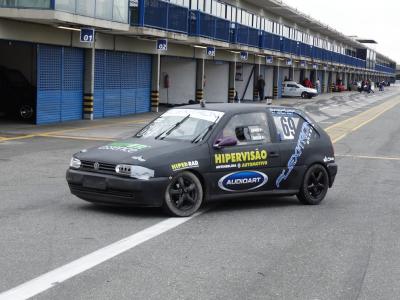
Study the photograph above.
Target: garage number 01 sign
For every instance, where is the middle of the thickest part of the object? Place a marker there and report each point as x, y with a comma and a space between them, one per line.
211, 51
87, 35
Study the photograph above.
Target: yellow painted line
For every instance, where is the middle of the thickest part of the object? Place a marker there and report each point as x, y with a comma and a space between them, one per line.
56, 132
18, 137
368, 157
96, 138
341, 129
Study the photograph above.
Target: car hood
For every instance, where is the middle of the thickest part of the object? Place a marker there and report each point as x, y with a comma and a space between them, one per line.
138, 151
310, 90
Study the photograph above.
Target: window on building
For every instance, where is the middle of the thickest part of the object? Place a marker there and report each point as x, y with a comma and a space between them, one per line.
86, 7
207, 7
120, 10
234, 12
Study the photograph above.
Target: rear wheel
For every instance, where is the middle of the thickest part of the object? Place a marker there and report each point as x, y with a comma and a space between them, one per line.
304, 95
315, 185
183, 195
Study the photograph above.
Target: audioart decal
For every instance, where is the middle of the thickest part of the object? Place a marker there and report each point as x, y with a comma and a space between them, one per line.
242, 181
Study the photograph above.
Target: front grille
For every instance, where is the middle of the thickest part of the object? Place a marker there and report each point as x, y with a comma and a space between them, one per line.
111, 192
102, 167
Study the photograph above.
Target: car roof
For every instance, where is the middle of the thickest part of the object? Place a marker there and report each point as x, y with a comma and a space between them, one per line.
233, 108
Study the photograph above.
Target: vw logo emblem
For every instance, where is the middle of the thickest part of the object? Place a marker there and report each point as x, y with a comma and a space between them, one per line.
96, 165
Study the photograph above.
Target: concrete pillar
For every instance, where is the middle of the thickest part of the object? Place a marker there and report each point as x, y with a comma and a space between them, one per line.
331, 81
276, 82
325, 82
232, 82
155, 82
88, 95
257, 72
200, 77
345, 79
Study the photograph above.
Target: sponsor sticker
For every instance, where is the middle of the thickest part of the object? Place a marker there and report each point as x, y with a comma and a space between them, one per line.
139, 158
242, 181
185, 165
328, 159
303, 140
124, 147
245, 159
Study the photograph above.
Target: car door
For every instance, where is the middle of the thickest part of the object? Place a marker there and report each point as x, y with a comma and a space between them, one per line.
294, 134
250, 163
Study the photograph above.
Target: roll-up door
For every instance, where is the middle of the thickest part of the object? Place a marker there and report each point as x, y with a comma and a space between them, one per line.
122, 83
59, 84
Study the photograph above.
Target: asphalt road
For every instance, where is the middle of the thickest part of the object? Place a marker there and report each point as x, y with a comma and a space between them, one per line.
275, 248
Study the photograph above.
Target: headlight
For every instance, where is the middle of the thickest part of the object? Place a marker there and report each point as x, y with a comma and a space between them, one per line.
75, 163
135, 171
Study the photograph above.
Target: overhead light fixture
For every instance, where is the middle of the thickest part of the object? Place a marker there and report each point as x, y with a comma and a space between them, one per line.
199, 46
68, 28
236, 52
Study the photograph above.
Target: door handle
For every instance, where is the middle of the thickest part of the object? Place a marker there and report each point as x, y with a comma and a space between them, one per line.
273, 154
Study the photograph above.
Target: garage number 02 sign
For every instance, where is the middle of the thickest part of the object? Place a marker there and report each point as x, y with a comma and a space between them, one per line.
87, 35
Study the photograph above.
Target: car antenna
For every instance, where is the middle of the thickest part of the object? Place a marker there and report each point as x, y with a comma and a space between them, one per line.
202, 103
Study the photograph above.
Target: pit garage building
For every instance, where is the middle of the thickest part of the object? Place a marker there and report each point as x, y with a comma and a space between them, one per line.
207, 49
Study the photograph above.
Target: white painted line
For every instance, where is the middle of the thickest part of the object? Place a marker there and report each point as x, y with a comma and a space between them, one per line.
55, 277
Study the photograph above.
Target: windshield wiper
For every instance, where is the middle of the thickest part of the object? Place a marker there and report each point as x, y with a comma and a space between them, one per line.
202, 134
172, 128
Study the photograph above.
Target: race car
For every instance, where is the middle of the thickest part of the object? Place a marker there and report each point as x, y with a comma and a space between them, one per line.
194, 154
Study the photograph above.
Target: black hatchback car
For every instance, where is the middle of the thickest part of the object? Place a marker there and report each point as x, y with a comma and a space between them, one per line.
193, 154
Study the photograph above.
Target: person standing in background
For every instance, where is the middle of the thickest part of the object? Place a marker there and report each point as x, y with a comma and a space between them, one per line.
318, 86
260, 87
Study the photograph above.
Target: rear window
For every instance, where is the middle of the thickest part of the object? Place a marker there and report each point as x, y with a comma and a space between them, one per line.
289, 124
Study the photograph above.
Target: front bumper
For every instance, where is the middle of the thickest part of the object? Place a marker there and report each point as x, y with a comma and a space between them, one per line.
115, 190
332, 171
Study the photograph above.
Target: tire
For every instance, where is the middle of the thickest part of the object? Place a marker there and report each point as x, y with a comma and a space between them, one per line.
26, 112
184, 195
315, 185
304, 95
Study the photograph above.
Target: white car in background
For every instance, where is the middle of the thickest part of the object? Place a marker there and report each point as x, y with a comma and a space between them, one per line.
294, 89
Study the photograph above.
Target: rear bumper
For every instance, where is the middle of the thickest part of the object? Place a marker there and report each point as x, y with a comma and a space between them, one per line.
332, 170
114, 190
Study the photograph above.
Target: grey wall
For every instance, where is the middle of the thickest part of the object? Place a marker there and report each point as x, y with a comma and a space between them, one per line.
216, 86
182, 76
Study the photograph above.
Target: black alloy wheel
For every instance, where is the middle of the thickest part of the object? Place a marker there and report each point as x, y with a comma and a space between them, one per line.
183, 195
315, 185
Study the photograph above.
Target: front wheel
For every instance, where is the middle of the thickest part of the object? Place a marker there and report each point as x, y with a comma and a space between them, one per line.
304, 95
315, 185
183, 195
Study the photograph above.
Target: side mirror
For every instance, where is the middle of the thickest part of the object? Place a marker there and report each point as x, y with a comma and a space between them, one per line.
225, 142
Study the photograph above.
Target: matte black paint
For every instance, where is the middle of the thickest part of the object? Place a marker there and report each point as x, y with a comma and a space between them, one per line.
159, 155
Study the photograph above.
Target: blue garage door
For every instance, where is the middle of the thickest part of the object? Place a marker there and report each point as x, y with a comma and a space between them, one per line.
122, 83
59, 84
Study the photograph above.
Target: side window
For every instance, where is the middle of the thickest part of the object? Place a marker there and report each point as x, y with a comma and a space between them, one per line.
289, 124
248, 128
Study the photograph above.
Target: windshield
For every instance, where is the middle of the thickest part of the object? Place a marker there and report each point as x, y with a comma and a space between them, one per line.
181, 124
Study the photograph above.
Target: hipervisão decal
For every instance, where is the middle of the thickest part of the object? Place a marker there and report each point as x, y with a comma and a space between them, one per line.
242, 181
304, 138
185, 165
245, 159
123, 146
